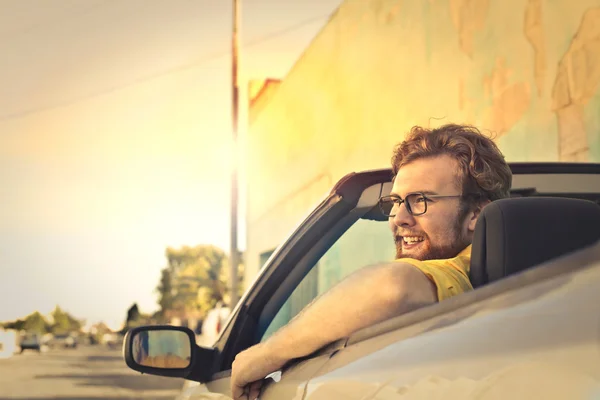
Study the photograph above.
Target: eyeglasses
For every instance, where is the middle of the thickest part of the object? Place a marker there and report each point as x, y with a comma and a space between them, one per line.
415, 203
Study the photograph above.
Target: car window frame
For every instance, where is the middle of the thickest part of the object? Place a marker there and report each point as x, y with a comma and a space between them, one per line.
239, 333
302, 269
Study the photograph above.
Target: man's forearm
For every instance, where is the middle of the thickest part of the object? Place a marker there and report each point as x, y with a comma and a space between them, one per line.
370, 295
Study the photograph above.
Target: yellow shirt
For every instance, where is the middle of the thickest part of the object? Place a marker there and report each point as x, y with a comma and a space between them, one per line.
450, 276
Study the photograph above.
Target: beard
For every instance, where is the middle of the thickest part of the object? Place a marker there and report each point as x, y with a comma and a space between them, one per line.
426, 250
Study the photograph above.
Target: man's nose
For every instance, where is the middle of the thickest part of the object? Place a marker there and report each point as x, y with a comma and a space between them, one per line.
403, 217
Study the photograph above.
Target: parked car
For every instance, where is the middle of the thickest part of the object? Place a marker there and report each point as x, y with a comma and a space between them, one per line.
30, 341
112, 340
528, 330
66, 341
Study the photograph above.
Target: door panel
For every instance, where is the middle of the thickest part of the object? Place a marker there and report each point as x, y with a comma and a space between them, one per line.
539, 341
218, 389
290, 386
294, 380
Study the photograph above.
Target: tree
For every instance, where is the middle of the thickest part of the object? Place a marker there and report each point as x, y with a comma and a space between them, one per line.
64, 322
18, 325
159, 317
195, 279
133, 314
165, 289
135, 318
34, 322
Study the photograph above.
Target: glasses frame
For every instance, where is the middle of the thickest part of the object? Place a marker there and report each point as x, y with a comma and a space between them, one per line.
398, 200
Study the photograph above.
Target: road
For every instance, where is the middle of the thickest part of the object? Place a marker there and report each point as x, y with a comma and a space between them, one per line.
85, 373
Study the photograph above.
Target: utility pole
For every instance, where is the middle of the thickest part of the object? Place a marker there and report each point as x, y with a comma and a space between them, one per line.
234, 252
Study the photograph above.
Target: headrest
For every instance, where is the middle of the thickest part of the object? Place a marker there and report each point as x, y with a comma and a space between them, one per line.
512, 235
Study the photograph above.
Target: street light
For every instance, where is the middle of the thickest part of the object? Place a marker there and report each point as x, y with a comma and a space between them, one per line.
234, 252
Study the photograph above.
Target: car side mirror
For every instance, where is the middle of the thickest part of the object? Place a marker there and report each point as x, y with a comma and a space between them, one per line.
167, 351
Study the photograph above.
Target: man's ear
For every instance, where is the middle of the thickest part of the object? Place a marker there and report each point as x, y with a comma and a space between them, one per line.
474, 215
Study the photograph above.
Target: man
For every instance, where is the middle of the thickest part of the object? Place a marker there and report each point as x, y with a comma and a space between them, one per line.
442, 180
140, 347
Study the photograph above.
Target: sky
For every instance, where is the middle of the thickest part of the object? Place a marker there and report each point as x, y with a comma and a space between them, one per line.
115, 140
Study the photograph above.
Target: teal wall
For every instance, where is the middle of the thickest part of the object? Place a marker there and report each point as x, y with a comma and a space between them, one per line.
525, 71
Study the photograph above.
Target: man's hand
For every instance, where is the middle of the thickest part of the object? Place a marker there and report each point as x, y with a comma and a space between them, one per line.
249, 369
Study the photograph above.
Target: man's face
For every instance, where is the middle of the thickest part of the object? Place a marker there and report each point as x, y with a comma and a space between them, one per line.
138, 349
437, 234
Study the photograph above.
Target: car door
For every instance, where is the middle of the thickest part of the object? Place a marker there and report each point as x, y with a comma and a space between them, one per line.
530, 336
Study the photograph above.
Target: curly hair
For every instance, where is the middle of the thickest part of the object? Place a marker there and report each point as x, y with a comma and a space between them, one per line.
483, 171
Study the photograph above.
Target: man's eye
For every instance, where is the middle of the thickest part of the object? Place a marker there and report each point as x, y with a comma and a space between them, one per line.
420, 199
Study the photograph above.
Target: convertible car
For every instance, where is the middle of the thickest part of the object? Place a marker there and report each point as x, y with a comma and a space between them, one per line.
529, 330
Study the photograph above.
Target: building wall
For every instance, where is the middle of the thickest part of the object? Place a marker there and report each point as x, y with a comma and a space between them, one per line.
9, 342
527, 71
259, 96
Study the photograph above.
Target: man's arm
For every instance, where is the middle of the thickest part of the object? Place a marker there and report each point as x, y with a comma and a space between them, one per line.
370, 295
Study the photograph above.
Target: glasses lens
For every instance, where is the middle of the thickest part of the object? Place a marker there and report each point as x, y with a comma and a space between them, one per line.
417, 203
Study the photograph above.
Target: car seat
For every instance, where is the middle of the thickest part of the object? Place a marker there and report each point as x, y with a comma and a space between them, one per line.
512, 235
